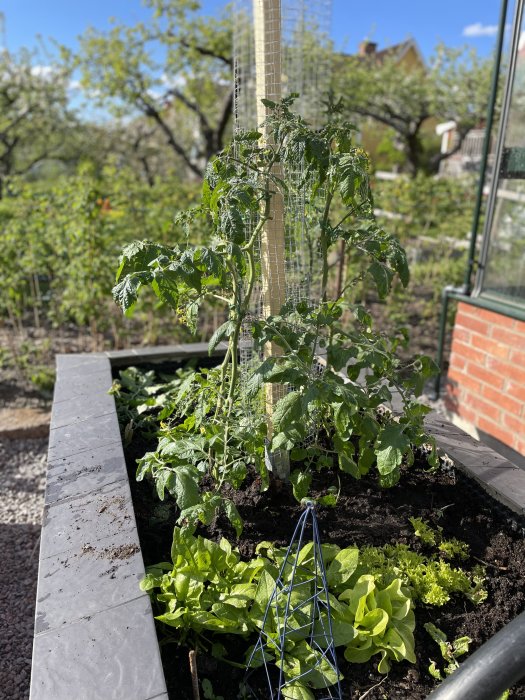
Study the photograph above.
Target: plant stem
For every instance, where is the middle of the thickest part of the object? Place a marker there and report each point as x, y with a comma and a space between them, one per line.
194, 674
324, 243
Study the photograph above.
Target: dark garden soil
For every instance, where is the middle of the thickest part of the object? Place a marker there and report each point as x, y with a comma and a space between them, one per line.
365, 515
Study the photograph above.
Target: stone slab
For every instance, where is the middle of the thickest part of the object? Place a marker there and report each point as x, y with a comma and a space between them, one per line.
94, 577
73, 383
84, 472
492, 471
88, 362
75, 411
107, 512
108, 656
91, 433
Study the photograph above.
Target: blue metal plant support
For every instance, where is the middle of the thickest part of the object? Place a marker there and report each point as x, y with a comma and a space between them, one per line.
297, 616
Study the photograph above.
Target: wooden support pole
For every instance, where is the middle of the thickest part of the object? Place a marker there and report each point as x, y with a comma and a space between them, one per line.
267, 26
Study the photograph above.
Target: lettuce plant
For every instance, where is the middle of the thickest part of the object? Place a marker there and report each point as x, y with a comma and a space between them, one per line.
384, 621
205, 587
431, 580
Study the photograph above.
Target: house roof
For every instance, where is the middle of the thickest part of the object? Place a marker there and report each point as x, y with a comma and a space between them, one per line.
400, 50
367, 50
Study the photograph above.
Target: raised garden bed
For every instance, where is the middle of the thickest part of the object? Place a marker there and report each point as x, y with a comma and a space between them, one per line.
94, 633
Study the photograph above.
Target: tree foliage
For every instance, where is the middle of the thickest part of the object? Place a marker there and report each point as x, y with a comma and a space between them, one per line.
174, 72
34, 112
455, 86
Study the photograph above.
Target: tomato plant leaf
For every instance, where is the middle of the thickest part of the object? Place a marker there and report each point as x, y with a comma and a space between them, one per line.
391, 445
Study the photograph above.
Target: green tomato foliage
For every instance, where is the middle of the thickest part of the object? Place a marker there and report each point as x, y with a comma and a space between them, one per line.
213, 432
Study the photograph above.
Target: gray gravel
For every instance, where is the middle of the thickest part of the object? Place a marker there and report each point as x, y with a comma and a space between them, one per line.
22, 482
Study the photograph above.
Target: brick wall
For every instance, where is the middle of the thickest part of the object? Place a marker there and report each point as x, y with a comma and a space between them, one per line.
486, 378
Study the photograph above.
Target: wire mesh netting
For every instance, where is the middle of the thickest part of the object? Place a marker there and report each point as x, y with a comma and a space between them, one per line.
281, 47
297, 618
287, 54
298, 31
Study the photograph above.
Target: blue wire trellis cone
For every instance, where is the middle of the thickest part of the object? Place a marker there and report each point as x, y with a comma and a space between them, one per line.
296, 646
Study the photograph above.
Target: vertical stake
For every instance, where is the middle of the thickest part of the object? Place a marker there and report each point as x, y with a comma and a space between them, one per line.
267, 26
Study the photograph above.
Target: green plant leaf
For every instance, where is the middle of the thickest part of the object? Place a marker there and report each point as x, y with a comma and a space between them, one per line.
287, 411
391, 445
222, 332
265, 589
347, 465
187, 487
342, 567
300, 481
233, 515
382, 277
297, 691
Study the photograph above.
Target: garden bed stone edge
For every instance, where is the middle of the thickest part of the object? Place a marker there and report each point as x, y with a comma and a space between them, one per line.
94, 629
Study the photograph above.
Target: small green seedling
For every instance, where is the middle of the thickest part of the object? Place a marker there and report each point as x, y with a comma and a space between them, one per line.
450, 549
450, 651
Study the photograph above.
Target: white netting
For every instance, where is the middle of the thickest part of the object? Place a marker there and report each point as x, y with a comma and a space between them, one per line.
281, 47
300, 28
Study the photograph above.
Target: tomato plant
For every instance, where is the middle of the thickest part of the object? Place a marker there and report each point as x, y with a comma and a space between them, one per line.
215, 429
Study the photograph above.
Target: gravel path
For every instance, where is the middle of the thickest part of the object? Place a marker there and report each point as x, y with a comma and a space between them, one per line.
22, 482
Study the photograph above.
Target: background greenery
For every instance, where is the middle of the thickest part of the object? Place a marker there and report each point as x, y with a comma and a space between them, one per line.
74, 188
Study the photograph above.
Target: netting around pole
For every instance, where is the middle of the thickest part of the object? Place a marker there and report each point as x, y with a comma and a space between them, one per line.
287, 53
304, 27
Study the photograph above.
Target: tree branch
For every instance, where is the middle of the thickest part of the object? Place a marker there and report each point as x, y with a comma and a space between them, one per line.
206, 129
150, 111
207, 52
226, 113
439, 157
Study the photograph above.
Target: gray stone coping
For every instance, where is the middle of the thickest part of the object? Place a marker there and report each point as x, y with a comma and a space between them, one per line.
499, 477
94, 630
95, 634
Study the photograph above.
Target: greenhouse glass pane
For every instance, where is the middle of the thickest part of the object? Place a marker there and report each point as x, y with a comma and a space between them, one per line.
505, 264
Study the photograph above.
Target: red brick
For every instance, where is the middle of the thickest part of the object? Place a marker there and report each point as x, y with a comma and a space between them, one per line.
519, 446
457, 406
516, 373
483, 407
500, 321
468, 309
517, 425
494, 318
468, 352
457, 361
470, 323
462, 334
519, 327
502, 399
495, 430
518, 358
467, 413
463, 380
514, 340
516, 390
507, 370
487, 376
490, 346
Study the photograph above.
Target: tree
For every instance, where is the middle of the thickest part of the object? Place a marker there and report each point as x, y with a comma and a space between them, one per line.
33, 112
174, 72
455, 87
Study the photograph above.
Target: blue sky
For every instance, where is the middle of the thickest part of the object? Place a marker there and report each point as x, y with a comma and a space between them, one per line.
455, 22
